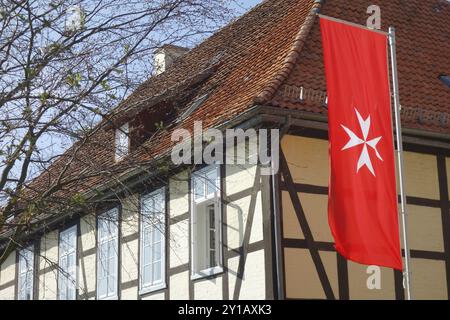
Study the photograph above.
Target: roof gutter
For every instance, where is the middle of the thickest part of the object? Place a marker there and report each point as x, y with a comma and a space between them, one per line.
135, 177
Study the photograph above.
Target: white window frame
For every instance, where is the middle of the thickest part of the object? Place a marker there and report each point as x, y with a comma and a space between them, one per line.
26, 256
67, 275
206, 199
148, 221
111, 218
122, 142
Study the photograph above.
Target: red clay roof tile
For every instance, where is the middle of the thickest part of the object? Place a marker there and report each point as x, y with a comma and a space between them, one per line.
269, 51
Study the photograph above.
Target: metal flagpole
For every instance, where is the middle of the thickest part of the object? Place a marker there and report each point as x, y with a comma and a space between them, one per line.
398, 130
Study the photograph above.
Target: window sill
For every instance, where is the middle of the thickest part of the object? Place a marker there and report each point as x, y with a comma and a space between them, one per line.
151, 289
206, 273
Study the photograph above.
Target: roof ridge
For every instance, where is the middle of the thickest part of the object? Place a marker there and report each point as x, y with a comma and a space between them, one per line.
294, 53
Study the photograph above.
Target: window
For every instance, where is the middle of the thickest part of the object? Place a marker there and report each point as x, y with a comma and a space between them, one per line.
67, 263
194, 106
107, 255
206, 223
10, 218
445, 79
26, 273
152, 264
122, 142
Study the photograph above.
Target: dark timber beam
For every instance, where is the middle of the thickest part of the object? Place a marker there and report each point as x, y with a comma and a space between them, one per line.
305, 228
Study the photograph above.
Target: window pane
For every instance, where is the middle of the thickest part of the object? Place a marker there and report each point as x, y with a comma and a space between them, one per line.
212, 258
71, 294
146, 274
211, 185
212, 217
146, 236
22, 286
26, 271
62, 286
101, 287
23, 264
111, 286
63, 263
158, 203
103, 254
156, 272
29, 284
101, 266
112, 269
111, 249
70, 262
152, 237
122, 141
157, 232
157, 251
199, 187
63, 245
147, 205
72, 239
107, 254
102, 229
146, 255
71, 269
212, 239
112, 260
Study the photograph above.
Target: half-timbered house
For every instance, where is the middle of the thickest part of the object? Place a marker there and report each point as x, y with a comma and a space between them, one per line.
227, 231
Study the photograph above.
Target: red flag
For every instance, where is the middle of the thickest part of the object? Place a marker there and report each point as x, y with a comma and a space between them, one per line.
362, 205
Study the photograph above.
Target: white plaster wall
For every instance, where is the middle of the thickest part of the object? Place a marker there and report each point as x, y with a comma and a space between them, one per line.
253, 286
130, 248
179, 286
48, 258
87, 262
154, 296
238, 178
7, 277
179, 232
208, 289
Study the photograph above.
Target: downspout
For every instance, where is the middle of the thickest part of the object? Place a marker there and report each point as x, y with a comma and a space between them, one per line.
277, 219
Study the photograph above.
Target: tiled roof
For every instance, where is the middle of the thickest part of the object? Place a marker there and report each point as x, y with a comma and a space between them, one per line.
423, 54
234, 66
267, 57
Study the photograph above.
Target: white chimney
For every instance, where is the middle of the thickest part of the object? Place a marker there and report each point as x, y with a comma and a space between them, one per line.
166, 55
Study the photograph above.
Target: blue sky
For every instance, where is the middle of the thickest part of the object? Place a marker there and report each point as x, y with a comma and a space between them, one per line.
245, 5
241, 6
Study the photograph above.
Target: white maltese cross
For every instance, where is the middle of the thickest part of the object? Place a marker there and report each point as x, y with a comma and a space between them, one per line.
364, 159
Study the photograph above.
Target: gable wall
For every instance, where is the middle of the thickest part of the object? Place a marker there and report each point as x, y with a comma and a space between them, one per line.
247, 253
307, 159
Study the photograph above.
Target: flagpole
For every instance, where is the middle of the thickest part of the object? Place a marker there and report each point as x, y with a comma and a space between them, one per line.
398, 130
